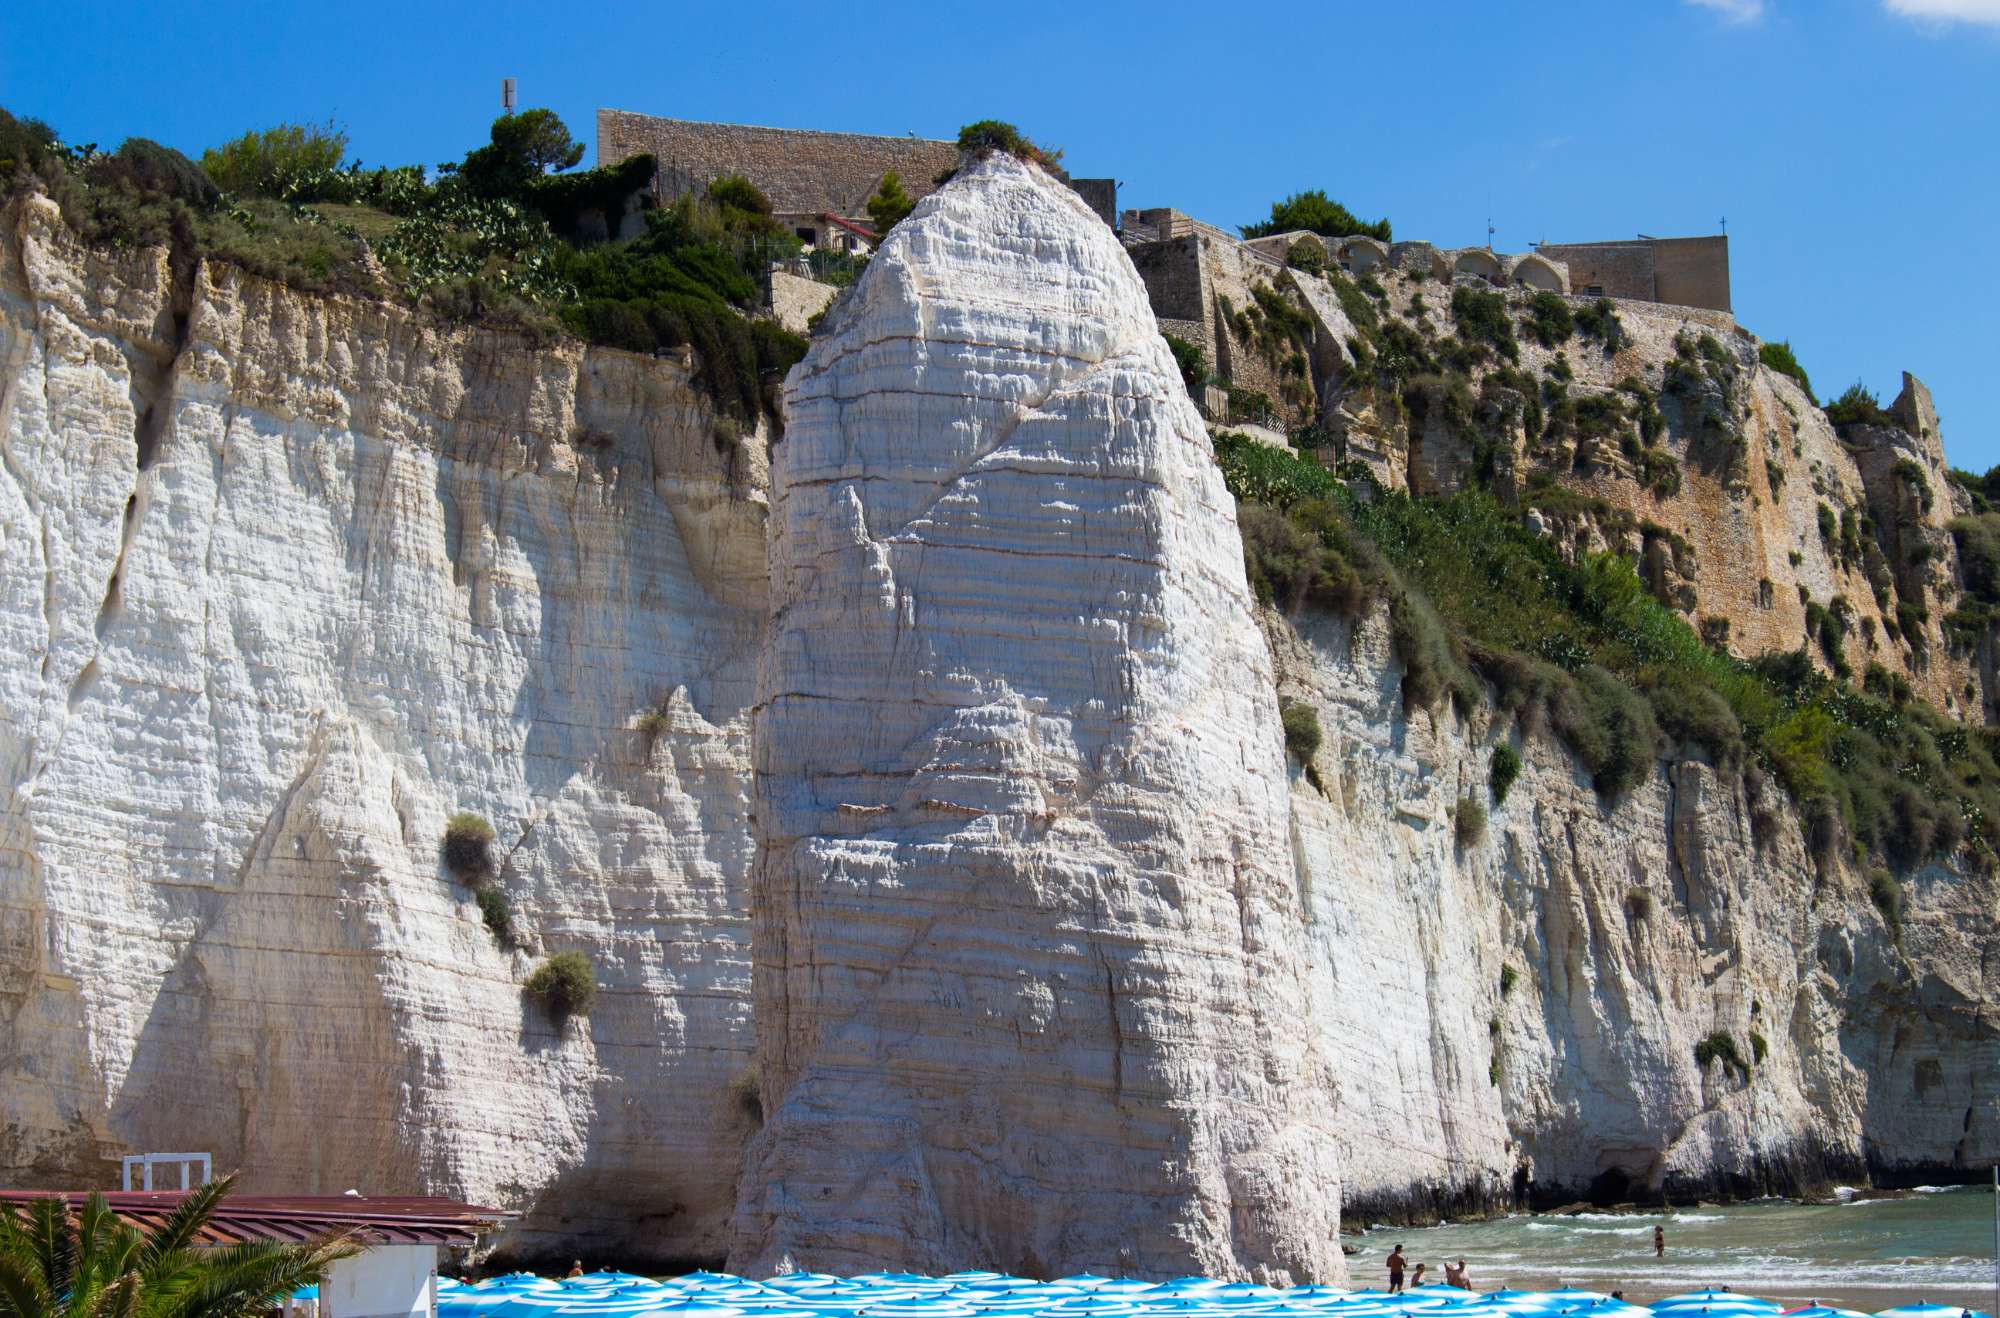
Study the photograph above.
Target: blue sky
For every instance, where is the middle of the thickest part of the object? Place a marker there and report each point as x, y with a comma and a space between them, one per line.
1854, 145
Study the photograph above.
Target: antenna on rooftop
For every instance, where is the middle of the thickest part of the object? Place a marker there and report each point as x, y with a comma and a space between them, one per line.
1490, 231
506, 96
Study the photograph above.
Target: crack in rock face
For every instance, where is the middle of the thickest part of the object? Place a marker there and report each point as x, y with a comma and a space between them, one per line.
1028, 943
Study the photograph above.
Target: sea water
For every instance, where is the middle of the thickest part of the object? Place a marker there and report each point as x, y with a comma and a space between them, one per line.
1936, 1244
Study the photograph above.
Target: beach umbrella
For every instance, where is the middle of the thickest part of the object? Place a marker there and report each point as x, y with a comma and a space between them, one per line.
1824, 1311
1089, 1306
1927, 1311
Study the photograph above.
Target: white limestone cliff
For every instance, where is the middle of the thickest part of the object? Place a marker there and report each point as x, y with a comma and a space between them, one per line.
284, 581
1633, 932
1052, 967
1028, 945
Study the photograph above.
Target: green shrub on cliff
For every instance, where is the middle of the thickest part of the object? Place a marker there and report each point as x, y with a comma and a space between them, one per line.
1778, 356
1720, 1047
566, 983
1549, 319
1468, 822
1302, 733
468, 845
1858, 406
1482, 319
1599, 321
512, 235
1313, 210
1583, 650
999, 135
1506, 767
285, 163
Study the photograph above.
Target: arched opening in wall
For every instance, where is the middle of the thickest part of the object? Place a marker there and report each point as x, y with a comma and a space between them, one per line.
1479, 262
1361, 255
1536, 273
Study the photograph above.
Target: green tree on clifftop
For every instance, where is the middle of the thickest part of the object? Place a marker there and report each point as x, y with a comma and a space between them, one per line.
524, 146
890, 205
1321, 214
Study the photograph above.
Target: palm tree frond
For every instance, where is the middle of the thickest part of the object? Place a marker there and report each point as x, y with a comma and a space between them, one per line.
183, 1226
51, 1240
251, 1277
24, 1292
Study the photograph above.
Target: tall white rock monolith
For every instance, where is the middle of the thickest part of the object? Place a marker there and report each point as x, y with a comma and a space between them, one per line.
1028, 944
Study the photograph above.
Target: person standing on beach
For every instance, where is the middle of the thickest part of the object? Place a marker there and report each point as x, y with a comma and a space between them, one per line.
1396, 1262
1659, 1242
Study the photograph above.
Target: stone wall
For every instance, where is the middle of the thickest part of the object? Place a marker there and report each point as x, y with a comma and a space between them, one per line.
1692, 272
1689, 272
1101, 195
802, 171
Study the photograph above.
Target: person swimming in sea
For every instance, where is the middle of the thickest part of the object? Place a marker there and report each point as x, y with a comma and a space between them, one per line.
1454, 1275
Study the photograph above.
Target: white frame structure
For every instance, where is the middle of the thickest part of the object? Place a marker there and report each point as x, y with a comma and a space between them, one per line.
145, 1162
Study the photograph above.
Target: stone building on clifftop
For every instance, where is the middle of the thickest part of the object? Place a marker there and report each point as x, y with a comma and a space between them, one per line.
819, 183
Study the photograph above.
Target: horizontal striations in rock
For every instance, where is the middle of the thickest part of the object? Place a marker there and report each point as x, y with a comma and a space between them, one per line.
282, 591
1517, 1009
1027, 935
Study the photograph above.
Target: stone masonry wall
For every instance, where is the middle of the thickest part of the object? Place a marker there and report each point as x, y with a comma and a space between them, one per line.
801, 171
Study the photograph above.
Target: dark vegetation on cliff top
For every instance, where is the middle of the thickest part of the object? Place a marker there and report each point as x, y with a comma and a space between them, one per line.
507, 236
1584, 651
1315, 211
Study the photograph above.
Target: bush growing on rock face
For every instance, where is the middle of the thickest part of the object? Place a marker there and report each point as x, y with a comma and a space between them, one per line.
1720, 1047
566, 983
1599, 321
1508, 978
468, 845
1302, 733
1305, 256
1858, 406
1549, 319
498, 914
1506, 767
1482, 318
1468, 822
1778, 356
1584, 651
1887, 895
998, 135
